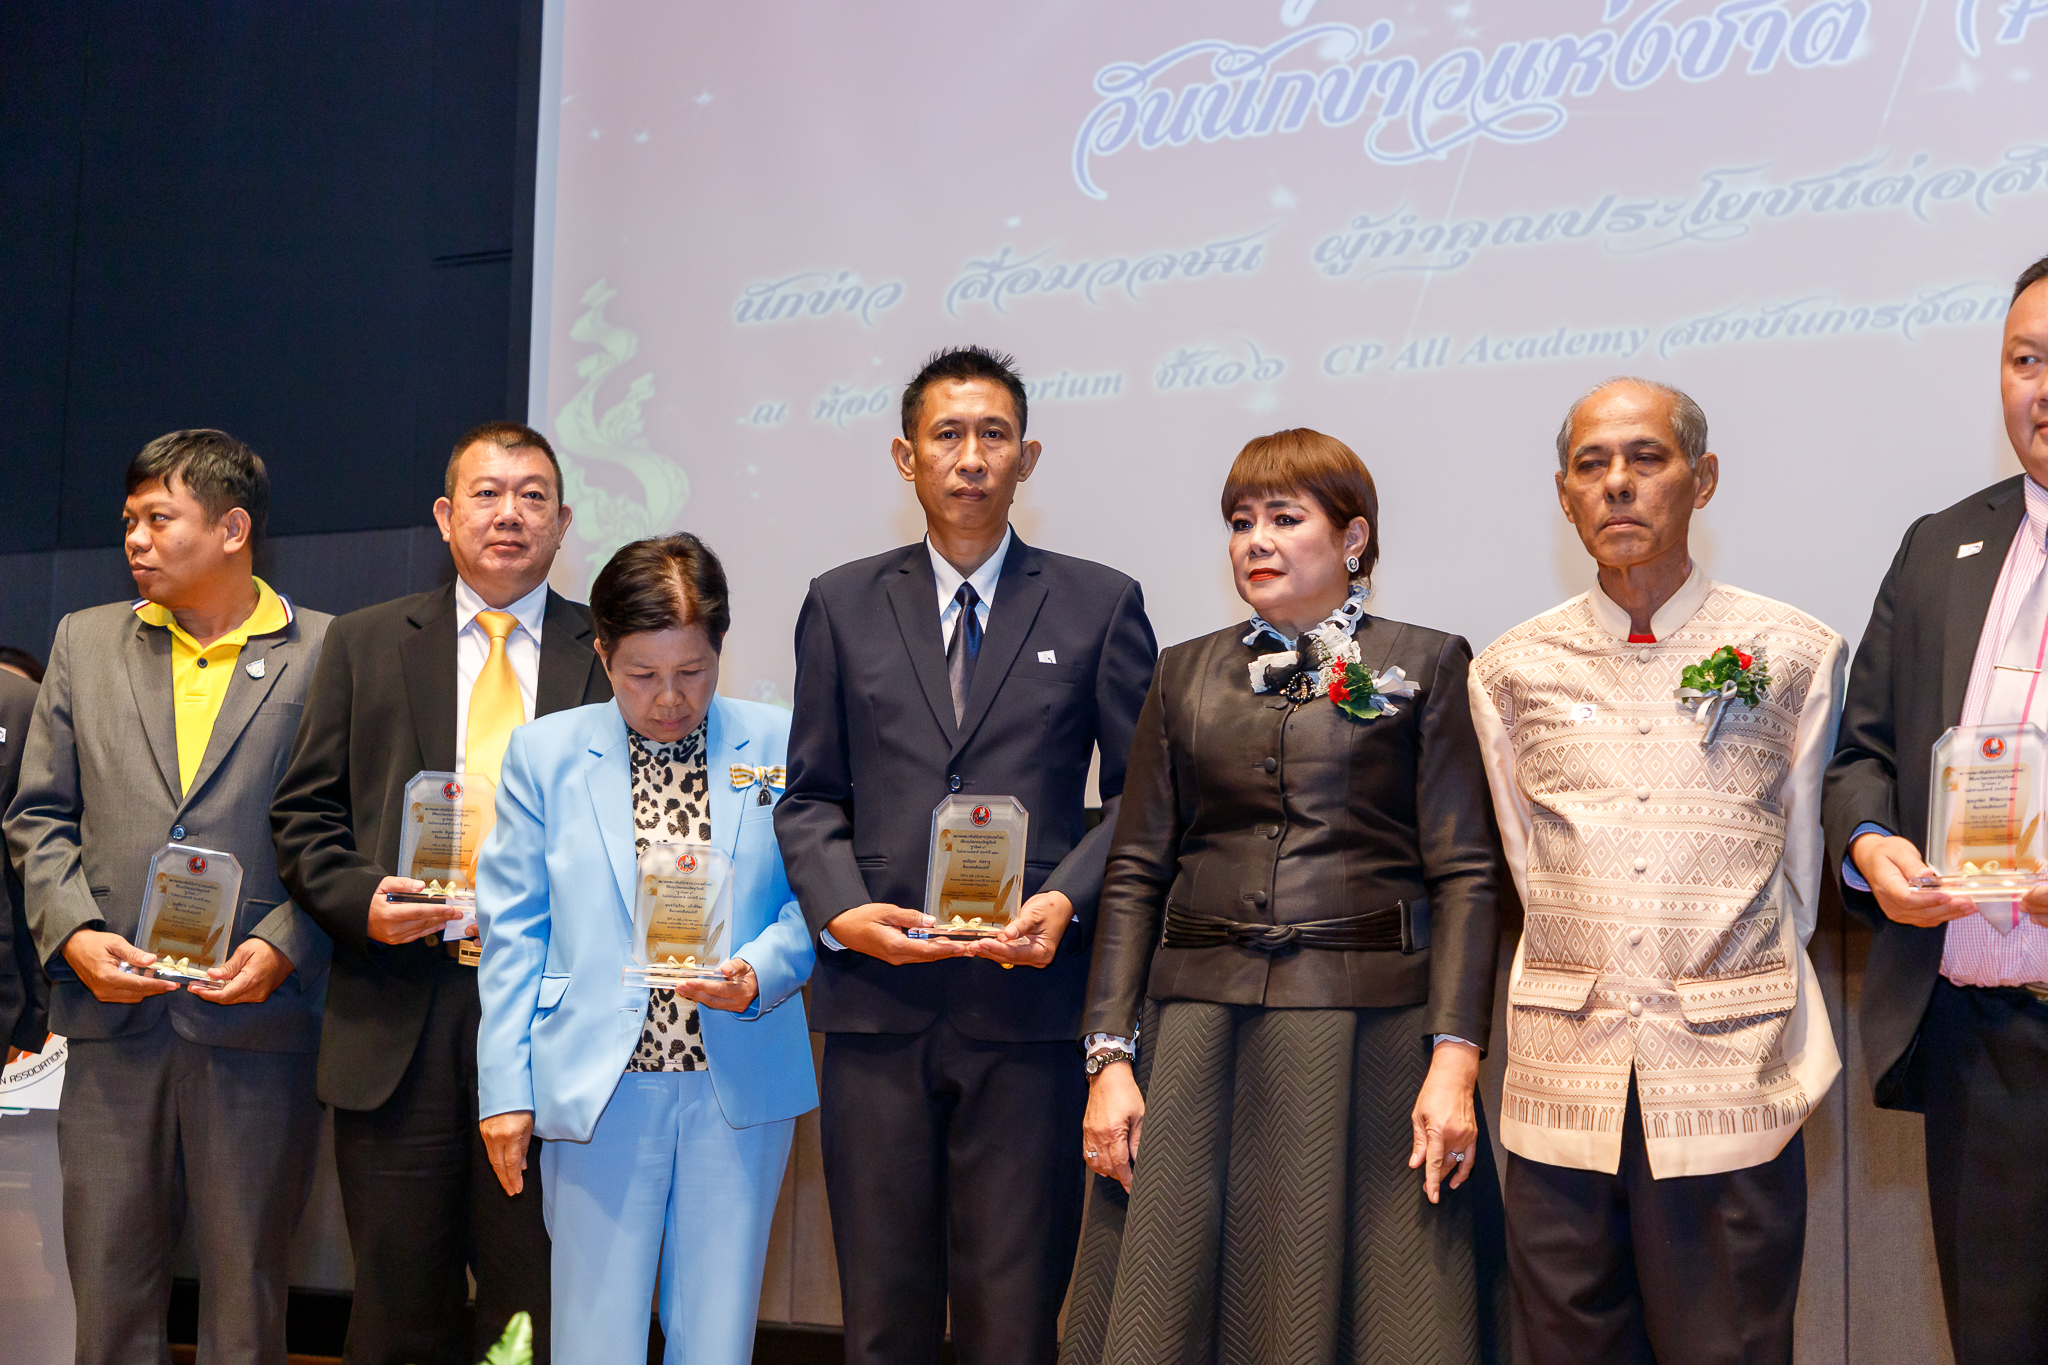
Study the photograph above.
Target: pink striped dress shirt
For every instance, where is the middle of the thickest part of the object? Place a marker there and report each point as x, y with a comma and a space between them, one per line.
1974, 953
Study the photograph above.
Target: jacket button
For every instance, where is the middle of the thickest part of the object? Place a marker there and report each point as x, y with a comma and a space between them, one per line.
1635, 936
1642, 656
1635, 1009
1269, 831
177, 834
1256, 897
1642, 864
1271, 765
953, 782
1643, 726
1642, 793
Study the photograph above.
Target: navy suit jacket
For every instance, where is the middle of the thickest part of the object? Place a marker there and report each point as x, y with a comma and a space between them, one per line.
874, 747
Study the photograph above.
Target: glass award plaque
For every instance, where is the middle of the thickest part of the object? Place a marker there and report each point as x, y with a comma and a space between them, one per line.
447, 816
682, 909
1984, 804
976, 879
188, 910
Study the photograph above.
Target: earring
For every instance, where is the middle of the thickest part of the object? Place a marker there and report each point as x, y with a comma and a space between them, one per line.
1352, 563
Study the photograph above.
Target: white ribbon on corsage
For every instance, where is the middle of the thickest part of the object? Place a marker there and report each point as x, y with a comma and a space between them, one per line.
1712, 707
1392, 683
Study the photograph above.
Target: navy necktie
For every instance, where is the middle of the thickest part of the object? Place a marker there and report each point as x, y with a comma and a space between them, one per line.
964, 648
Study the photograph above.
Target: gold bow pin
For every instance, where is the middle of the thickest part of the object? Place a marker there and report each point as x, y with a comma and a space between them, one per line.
769, 779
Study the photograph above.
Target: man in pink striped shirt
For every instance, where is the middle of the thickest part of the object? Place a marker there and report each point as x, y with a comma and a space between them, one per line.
1955, 1007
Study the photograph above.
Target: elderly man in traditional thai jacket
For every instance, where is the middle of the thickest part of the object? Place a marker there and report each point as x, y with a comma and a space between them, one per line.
1655, 748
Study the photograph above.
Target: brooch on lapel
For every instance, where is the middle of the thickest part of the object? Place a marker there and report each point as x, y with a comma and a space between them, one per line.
770, 780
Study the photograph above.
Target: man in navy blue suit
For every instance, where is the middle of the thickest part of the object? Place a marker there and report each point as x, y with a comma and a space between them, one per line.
953, 1088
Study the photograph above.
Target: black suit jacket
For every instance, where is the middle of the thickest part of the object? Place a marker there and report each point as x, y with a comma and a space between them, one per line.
1247, 807
1906, 687
382, 708
873, 747
24, 990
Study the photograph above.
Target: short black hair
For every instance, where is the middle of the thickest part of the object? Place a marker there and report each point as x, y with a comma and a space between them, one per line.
23, 660
2030, 277
505, 436
959, 363
659, 584
221, 472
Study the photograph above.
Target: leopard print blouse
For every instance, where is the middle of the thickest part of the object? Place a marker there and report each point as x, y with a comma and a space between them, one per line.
671, 801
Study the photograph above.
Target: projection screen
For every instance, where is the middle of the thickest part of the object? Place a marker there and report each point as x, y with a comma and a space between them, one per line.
1424, 228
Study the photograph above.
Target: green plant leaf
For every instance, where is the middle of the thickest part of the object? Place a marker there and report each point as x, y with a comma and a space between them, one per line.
516, 1346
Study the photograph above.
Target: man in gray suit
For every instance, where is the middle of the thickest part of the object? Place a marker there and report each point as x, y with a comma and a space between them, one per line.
168, 720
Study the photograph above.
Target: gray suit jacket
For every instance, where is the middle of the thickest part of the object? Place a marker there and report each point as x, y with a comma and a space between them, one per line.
99, 796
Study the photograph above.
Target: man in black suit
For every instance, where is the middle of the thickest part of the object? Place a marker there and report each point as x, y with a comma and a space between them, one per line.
393, 696
24, 990
953, 1090
1955, 1009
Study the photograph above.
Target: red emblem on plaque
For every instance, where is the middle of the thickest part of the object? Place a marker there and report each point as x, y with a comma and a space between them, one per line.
981, 815
196, 865
451, 790
687, 863
1994, 747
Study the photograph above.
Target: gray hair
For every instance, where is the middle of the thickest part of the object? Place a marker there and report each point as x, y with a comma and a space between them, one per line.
1688, 422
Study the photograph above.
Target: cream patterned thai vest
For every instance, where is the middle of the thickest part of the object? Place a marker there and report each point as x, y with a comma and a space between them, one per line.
1659, 936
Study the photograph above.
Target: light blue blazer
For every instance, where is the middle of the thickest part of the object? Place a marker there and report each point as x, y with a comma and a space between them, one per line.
554, 900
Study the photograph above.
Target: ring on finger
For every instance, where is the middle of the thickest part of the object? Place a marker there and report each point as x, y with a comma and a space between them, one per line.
1457, 1156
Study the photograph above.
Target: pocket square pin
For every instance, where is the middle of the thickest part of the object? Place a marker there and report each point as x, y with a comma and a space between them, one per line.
1965, 551
1047, 656
255, 668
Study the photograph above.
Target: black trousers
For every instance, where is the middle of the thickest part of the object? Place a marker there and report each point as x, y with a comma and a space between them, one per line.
422, 1205
952, 1164
1983, 1062
1624, 1269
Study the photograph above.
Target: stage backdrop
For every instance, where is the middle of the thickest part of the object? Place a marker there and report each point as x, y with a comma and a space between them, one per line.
1423, 228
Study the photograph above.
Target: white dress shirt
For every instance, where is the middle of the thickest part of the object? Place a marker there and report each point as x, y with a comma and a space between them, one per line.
983, 579
473, 647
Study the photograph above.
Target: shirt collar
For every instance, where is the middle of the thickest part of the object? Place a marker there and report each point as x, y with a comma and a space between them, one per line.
528, 610
273, 613
2037, 502
983, 578
1683, 606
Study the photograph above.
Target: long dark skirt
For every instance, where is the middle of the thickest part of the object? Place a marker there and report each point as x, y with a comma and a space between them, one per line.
1274, 1218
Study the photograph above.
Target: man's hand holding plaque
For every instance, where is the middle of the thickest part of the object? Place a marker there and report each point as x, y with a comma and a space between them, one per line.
1984, 807
188, 913
447, 816
976, 877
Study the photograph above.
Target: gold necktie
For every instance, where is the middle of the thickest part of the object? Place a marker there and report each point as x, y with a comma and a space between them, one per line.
495, 709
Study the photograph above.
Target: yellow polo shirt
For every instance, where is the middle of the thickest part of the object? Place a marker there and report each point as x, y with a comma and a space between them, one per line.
200, 673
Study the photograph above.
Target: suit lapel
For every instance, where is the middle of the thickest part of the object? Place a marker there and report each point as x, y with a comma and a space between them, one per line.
609, 777
1971, 584
722, 749
149, 678
427, 655
245, 694
1018, 597
914, 593
566, 658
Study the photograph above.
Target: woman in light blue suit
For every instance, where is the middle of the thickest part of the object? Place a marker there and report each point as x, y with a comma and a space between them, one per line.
667, 1114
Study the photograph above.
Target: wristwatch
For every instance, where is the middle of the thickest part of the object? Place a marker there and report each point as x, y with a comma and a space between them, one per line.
1099, 1060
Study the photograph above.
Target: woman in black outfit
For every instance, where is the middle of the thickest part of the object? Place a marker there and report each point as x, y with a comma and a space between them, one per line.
1300, 903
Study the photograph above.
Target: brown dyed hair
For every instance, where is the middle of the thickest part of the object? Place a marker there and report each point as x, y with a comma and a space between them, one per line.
1310, 465
659, 584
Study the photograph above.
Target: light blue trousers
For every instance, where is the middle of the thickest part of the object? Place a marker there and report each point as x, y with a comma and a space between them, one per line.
666, 1183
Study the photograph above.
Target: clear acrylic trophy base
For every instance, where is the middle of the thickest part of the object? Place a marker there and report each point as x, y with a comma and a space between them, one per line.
666, 976
960, 928
183, 969
1984, 886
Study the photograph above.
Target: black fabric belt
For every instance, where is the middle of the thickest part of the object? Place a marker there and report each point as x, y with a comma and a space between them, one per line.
1402, 927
